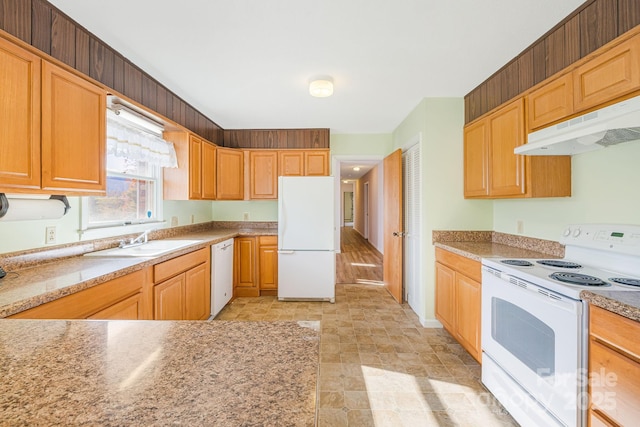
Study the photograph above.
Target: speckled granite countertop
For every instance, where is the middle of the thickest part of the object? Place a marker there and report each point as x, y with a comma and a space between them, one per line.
486, 244
24, 288
624, 303
147, 373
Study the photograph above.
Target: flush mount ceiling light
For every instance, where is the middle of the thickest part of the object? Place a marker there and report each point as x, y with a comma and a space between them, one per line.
356, 169
321, 86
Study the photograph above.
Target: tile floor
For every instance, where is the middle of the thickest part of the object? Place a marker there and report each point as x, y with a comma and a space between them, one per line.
380, 367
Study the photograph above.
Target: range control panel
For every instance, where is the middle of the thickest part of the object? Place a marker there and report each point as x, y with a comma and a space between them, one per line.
617, 237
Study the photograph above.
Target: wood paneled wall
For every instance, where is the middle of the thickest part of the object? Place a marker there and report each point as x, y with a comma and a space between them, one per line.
589, 27
276, 138
43, 26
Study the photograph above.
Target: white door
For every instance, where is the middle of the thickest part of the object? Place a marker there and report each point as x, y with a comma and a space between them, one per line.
412, 202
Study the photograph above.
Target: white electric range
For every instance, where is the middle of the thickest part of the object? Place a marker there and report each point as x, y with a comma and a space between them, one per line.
535, 325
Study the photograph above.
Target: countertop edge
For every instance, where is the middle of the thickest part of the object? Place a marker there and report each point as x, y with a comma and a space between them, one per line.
613, 305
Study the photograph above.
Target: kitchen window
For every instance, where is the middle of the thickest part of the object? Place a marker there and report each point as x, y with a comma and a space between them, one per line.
136, 154
134, 195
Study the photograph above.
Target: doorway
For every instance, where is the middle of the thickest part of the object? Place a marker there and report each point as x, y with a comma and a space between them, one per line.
365, 209
412, 189
347, 209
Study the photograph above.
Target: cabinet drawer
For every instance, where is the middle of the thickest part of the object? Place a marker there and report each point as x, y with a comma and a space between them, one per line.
608, 76
614, 382
178, 265
464, 265
89, 301
268, 240
615, 330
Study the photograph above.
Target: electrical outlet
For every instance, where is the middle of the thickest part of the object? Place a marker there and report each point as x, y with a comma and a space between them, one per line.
174, 221
245, 216
193, 218
50, 235
520, 227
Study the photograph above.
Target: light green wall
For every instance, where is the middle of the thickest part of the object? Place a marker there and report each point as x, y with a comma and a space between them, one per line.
21, 235
440, 122
234, 210
606, 188
361, 144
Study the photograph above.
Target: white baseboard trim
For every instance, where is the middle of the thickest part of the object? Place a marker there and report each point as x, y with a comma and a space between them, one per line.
430, 323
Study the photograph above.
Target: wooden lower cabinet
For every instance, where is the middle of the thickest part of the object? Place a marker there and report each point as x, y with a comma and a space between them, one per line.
458, 299
245, 283
182, 288
122, 298
131, 308
614, 369
255, 270
268, 264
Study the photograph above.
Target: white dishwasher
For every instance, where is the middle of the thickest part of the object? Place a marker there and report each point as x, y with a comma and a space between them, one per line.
221, 275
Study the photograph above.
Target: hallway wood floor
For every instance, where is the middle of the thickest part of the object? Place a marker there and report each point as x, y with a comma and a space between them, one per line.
359, 261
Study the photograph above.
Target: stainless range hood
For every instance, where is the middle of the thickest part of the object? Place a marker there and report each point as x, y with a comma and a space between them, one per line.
598, 129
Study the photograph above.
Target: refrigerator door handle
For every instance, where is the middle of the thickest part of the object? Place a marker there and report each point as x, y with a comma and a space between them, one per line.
286, 252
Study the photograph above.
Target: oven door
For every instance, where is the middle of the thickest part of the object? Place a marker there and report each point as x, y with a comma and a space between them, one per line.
535, 336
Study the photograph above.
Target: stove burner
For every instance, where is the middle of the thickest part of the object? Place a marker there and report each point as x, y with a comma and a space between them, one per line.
626, 281
558, 263
517, 262
578, 279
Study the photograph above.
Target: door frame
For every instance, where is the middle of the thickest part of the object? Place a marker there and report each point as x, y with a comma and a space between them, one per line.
336, 160
365, 210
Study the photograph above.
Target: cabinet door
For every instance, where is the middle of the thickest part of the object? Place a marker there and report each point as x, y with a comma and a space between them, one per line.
197, 297
208, 171
168, 299
608, 76
445, 296
291, 163
20, 113
468, 314
195, 167
550, 103
268, 262
263, 174
476, 160
244, 274
230, 174
316, 163
128, 309
507, 170
73, 133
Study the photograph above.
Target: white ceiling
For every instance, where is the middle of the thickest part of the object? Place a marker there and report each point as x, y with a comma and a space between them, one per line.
246, 63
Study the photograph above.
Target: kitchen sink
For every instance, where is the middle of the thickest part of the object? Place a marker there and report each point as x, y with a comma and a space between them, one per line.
149, 249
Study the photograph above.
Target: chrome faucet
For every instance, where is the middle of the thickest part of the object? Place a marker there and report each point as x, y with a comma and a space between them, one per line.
140, 240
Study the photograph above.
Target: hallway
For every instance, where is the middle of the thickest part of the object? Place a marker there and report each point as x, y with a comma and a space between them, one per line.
359, 261
379, 367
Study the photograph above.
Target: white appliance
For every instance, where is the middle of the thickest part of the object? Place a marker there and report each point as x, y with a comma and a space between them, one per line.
306, 256
535, 325
598, 129
221, 275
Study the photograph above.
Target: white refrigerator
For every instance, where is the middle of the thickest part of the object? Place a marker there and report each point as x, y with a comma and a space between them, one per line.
306, 255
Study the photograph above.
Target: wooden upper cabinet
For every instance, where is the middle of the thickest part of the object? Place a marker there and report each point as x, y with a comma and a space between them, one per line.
208, 171
316, 163
506, 130
194, 178
491, 168
73, 133
195, 167
263, 174
229, 174
291, 163
476, 159
20, 112
612, 74
550, 103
